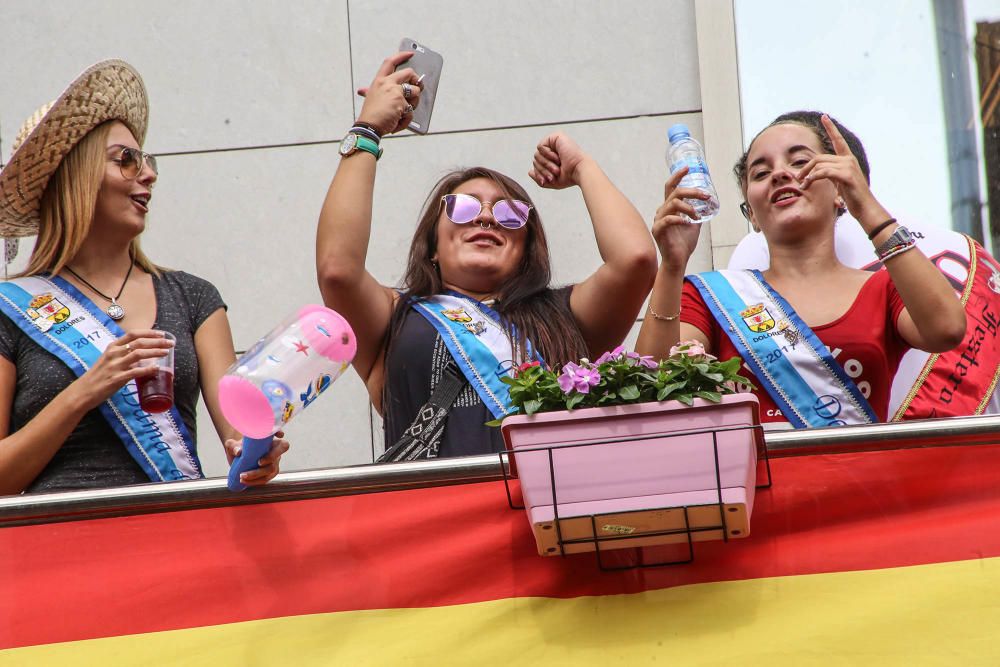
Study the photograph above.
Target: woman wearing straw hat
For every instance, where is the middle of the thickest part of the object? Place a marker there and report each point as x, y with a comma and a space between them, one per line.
91, 307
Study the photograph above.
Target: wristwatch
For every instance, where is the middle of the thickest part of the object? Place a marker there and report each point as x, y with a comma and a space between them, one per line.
353, 142
900, 236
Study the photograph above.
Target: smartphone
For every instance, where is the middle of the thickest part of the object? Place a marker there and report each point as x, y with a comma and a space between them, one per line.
428, 64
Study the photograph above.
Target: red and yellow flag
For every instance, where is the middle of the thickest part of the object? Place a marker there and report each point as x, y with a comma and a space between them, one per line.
881, 558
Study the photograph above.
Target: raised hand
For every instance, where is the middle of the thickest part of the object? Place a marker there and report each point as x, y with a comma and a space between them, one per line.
843, 170
675, 235
555, 162
392, 96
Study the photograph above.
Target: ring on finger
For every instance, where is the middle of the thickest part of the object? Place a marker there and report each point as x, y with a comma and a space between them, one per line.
407, 109
128, 347
407, 91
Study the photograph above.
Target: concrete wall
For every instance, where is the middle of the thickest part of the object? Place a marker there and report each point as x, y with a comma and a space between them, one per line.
250, 99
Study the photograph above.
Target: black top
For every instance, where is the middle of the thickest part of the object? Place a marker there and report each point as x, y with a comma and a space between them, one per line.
414, 365
93, 456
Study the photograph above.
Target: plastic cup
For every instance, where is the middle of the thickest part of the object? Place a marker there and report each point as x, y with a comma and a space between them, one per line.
156, 392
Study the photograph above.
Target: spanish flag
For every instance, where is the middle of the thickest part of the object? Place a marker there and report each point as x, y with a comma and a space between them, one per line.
871, 558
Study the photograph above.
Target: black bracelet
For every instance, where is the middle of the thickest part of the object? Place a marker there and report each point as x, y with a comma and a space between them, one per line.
370, 127
365, 132
874, 232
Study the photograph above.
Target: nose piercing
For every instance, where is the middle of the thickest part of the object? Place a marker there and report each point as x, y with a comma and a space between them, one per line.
485, 224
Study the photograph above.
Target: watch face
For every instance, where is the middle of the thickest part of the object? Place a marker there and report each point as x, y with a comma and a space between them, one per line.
348, 143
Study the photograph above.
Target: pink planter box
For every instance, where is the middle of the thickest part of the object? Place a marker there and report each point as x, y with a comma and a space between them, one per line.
634, 468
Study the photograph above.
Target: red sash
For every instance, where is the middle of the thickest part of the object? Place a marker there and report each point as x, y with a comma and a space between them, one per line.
960, 382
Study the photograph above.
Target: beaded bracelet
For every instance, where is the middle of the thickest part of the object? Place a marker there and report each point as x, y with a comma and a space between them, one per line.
664, 318
898, 250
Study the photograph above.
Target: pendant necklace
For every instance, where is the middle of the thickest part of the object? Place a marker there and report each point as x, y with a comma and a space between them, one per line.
115, 310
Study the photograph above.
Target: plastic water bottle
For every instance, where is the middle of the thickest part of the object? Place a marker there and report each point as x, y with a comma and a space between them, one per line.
686, 152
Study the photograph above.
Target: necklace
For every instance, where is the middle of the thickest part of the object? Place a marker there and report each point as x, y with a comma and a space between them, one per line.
115, 310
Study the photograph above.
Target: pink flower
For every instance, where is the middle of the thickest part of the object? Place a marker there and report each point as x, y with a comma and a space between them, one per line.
579, 378
645, 360
610, 356
689, 348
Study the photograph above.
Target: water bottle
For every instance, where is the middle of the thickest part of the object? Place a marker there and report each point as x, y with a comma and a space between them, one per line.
686, 152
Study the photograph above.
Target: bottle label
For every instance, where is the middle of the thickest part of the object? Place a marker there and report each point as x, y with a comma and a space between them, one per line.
694, 165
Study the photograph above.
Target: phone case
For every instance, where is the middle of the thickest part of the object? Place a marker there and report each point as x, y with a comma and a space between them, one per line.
426, 63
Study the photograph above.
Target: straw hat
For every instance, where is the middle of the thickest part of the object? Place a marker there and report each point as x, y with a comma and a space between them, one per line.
109, 90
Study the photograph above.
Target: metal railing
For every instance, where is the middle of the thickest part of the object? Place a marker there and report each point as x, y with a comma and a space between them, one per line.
199, 494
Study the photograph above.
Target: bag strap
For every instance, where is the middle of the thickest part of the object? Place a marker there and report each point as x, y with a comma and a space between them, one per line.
423, 437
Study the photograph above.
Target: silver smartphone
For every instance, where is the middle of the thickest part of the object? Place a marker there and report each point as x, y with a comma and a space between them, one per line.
428, 64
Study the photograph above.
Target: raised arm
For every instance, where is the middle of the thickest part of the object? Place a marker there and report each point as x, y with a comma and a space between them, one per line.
606, 303
345, 220
934, 318
676, 239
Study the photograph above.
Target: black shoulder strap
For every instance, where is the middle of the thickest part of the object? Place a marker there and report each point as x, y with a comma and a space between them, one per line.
423, 437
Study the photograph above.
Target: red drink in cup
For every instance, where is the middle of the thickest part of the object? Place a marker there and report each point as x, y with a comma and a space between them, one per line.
156, 392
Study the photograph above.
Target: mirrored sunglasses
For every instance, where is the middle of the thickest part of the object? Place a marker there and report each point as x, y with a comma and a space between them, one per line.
130, 161
508, 213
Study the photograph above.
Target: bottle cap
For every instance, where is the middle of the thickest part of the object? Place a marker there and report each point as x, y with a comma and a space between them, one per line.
678, 131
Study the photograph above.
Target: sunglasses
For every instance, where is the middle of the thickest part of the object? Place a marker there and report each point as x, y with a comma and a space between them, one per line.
130, 161
508, 213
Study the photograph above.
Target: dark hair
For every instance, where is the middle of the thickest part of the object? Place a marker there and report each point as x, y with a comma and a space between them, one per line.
812, 120
526, 302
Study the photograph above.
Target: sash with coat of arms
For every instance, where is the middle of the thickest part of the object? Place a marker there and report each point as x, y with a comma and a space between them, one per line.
480, 344
790, 361
68, 325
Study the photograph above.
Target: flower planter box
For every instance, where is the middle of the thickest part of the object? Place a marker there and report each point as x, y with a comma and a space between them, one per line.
637, 475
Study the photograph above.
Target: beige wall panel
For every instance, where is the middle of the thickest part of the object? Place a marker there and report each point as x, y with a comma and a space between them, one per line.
721, 119
527, 62
220, 74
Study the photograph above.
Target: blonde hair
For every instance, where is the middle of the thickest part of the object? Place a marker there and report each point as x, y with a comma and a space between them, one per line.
67, 207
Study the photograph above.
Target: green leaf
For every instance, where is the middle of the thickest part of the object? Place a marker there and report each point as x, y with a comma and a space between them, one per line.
713, 396
685, 399
574, 401
715, 377
629, 393
494, 422
532, 406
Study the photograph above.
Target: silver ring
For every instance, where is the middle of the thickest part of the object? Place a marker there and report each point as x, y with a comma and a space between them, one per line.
407, 91
408, 109
128, 347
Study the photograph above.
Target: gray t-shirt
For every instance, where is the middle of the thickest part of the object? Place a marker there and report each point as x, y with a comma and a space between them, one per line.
93, 456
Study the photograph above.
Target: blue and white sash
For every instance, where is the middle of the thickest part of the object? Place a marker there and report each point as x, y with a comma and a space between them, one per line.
479, 343
70, 326
791, 362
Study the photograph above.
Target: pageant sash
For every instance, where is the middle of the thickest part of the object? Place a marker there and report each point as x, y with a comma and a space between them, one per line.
480, 344
70, 326
791, 362
962, 381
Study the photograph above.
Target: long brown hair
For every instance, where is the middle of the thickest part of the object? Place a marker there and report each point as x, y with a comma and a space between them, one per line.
68, 204
537, 312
